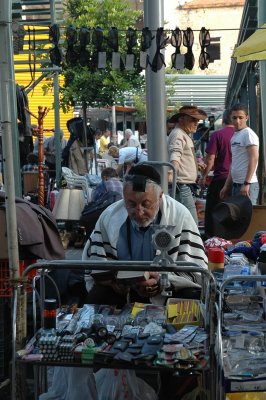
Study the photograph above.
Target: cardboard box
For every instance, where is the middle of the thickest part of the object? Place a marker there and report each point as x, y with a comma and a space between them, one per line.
182, 312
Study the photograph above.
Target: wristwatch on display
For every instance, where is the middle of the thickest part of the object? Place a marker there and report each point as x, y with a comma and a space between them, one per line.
246, 183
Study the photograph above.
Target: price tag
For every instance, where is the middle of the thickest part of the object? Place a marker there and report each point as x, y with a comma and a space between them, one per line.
116, 60
130, 61
101, 59
143, 59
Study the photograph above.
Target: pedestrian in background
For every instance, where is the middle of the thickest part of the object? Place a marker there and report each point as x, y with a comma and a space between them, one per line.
103, 143
110, 183
127, 157
130, 139
242, 178
182, 154
49, 147
219, 158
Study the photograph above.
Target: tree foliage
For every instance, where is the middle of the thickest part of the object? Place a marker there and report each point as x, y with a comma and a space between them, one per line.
88, 84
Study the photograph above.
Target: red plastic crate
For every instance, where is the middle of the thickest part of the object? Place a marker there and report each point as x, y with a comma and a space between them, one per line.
5, 285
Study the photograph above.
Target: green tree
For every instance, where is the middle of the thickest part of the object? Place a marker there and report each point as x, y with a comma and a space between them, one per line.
88, 84
139, 100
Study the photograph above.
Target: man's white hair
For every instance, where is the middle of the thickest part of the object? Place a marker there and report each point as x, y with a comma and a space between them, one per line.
129, 132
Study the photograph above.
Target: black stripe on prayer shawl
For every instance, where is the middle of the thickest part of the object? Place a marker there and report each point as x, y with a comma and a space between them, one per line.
192, 232
192, 256
109, 245
96, 243
110, 255
176, 248
192, 244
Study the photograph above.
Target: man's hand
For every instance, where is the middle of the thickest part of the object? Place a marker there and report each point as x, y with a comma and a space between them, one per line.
244, 190
150, 287
201, 166
202, 181
224, 193
170, 176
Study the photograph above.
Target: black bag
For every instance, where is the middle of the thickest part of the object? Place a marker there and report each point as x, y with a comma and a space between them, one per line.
93, 210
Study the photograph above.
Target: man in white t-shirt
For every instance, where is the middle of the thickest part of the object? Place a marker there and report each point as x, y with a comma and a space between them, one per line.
242, 178
128, 156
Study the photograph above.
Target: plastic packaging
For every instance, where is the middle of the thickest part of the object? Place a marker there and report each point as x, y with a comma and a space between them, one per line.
114, 384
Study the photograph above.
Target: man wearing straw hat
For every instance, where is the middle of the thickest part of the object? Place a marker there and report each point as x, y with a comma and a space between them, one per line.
182, 154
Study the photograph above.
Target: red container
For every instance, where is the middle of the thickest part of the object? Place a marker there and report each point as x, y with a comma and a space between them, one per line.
215, 258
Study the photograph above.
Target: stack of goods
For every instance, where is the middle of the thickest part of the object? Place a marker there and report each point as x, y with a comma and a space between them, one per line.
139, 334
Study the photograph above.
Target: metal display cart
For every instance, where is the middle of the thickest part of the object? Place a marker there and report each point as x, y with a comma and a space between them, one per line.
207, 302
234, 344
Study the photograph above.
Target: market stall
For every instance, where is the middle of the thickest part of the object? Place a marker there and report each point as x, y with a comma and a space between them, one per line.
178, 337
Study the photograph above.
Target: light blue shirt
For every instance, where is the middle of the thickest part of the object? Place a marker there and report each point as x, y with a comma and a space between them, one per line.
142, 248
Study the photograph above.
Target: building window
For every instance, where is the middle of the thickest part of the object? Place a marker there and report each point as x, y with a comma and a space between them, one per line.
214, 49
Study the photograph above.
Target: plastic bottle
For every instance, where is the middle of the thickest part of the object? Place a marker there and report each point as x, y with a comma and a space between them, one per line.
49, 314
53, 196
215, 259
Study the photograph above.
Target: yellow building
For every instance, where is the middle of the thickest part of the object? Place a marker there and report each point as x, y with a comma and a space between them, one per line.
27, 73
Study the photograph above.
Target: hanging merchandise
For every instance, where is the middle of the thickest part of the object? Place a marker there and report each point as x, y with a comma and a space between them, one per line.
93, 50
98, 57
71, 38
188, 40
158, 60
131, 41
55, 54
84, 40
145, 44
205, 40
54, 34
113, 44
178, 60
18, 33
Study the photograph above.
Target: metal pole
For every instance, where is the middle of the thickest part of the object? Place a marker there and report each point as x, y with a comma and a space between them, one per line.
58, 154
262, 69
8, 79
7, 116
8, 119
14, 112
114, 135
155, 91
252, 98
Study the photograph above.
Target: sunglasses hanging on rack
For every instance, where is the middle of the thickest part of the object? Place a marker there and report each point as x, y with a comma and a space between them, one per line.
158, 60
205, 41
145, 43
177, 58
188, 40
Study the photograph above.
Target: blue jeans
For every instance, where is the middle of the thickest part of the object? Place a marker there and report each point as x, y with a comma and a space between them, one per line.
253, 192
185, 197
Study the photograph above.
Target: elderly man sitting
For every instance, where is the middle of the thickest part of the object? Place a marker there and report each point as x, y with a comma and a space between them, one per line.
124, 232
130, 139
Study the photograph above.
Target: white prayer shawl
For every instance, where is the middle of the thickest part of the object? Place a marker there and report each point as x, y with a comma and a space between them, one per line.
187, 246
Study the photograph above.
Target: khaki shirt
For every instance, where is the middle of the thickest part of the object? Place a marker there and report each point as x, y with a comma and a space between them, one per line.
181, 149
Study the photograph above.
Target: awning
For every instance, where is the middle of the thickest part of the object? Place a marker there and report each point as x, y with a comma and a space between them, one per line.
253, 48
